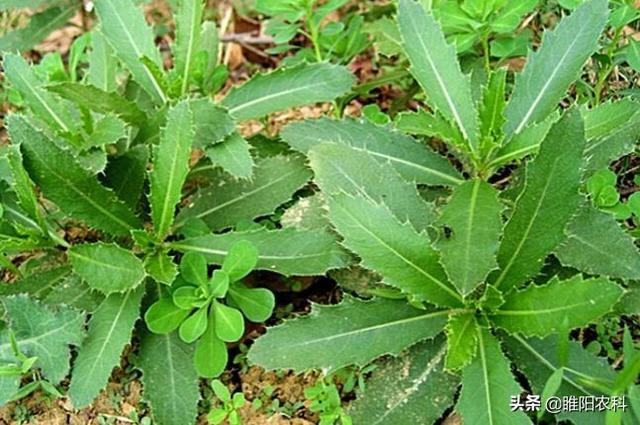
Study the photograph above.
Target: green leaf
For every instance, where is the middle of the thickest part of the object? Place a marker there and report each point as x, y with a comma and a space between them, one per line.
169, 378
487, 386
193, 326
188, 20
160, 267
43, 104
106, 267
73, 292
386, 35
107, 130
126, 174
492, 107
411, 159
17, 4
339, 168
110, 330
126, 30
524, 144
401, 255
462, 340
170, 167
212, 123
540, 310
353, 332
546, 205
538, 359
23, 187
240, 261
38, 284
39, 27
185, 297
41, 331
287, 251
474, 219
418, 395
102, 63
620, 141
435, 65
164, 316
210, 356
287, 88
605, 118
233, 155
101, 101
193, 268
256, 303
228, 321
229, 200
549, 71
596, 244
63, 181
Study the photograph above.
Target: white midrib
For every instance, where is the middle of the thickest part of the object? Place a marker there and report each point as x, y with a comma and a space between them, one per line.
525, 236
441, 83
410, 263
138, 53
369, 329
485, 374
99, 263
190, 45
467, 247
35, 339
44, 104
179, 246
165, 214
525, 120
268, 97
433, 363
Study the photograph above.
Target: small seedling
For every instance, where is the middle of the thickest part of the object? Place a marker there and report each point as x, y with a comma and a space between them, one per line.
230, 405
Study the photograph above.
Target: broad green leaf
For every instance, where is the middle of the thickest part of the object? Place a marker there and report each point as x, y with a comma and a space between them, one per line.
210, 356
188, 19
124, 27
487, 386
411, 159
256, 303
41, 331
106, 267
339, 168
546, 205
101, 101
462, 340
549, 71
164, 316
37, 285
185, 297
63, 181
287, 251
434, 64
233, 155
525, 143
541, 310
492, 107
170, 167
386, 34
240, 261
106, 131
212, 123
169, 378
43, 104
110, 330
538, 360
353, 332
418, 395
511, 14
596, 244
402, 256
605, 118
39, 27
229, 201
287, 88
228, 321
126, 174
473, 218
620, 141
73, 292
160, 267
194, 326
102, 63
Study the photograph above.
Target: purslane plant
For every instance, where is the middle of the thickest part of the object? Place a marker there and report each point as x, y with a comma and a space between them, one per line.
83, 151
483, 280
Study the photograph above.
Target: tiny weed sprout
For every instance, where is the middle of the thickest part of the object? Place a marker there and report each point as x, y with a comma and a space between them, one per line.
383, 213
